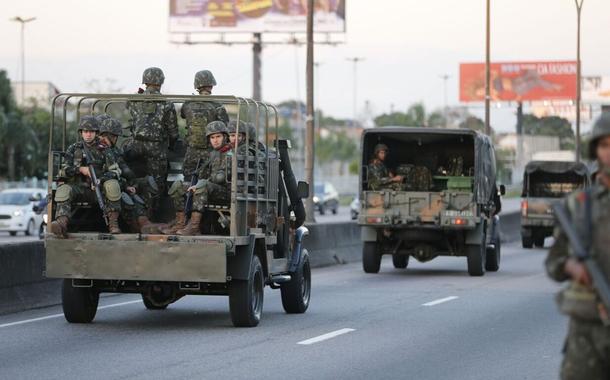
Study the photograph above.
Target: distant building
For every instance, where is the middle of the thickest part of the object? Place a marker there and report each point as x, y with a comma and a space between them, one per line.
35, 94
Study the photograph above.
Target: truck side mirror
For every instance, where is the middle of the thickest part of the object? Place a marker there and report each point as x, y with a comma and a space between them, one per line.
502, 190
303, 189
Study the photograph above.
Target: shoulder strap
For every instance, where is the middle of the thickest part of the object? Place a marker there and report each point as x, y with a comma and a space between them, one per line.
588, 219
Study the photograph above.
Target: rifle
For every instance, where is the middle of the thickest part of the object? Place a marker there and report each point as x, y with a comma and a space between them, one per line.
95, 181
597, 276
188, 206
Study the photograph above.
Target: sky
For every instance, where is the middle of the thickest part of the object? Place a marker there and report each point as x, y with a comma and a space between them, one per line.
406, 45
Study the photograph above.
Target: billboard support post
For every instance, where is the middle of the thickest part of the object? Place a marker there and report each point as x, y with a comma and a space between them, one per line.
487, 71
309, 138
257, 48
519, 161
578, 77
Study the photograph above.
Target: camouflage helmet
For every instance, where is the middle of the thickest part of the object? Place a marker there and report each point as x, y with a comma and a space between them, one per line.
88, 123
251, 131
153, 75
112, 126
601, 128
232, 127
101, 117
216, 127
379, 148
204, 78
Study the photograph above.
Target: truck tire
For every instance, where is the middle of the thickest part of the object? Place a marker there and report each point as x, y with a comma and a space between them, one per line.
476, 255
79, 304
527, 242
297, 293
246, 296
371, 257
492, 261
400, 261
150, 305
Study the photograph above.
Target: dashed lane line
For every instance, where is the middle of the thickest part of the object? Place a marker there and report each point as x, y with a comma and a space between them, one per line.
321, 338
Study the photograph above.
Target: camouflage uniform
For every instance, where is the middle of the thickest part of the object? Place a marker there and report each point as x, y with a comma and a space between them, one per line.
378, 174
587, 349
215, 186
76, 188
154, 128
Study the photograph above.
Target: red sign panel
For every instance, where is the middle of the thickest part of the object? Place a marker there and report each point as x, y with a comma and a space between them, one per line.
519, 81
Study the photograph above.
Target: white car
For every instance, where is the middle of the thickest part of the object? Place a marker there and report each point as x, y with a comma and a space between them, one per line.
17, 210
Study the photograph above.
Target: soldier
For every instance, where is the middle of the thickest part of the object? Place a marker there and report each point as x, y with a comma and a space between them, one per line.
212, 182
234, 137
198, 115
587, 348
154, 129
378, 175
133, 207
76, 179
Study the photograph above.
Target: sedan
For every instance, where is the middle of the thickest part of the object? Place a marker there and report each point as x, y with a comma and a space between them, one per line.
17, 210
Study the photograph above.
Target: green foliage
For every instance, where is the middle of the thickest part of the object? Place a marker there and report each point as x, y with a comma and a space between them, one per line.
550, 126
336, 146
474, 123
414, 117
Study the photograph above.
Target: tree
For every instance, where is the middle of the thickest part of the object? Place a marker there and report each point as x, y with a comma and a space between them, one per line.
550, 126
474, 123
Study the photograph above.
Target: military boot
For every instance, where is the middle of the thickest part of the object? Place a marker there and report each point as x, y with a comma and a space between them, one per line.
60, 226
178, 224
193, 227
145, 226
113, 222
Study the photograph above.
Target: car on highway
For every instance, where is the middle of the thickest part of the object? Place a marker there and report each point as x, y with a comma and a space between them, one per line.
326, 198
354, 208
17, 210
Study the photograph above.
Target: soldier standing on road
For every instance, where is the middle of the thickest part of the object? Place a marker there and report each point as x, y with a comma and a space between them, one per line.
587, 347
154, 128
76, 183
379, 177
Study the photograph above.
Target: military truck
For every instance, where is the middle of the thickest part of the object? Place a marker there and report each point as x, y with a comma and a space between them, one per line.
546, 182
451, 213
253, 241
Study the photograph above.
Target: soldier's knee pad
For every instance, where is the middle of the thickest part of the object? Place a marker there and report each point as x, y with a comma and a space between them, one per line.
126, 201
112, 189
175, 189
63, 193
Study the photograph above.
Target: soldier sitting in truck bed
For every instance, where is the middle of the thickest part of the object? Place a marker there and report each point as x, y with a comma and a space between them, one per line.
212, 183
379, 175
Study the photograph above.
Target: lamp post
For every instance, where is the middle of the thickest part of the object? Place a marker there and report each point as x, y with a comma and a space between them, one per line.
445, 77
355, 60
487, 69
578, 77
309, 136
22, 21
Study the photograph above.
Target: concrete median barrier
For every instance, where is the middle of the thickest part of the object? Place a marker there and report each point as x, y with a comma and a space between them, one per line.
23, 285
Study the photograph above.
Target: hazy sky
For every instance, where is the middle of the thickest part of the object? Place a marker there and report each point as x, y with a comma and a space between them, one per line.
407, 45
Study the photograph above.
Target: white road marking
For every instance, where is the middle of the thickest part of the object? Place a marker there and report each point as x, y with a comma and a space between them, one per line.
61, 315
439, 301
324, 337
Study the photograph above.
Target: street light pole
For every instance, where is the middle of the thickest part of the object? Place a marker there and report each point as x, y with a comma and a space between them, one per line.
23, 21
445, 77
578, 77
487, 70
309, 138
355, 60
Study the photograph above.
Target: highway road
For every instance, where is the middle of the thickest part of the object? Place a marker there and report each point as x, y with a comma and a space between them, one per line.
430, 321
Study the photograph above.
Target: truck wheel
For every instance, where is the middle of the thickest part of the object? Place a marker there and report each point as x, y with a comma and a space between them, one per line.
476, 259
297, 292
539, 242
527, 242
13, 233
79, 304
400, 261
492, 261
246, 297
150, 305
371, 257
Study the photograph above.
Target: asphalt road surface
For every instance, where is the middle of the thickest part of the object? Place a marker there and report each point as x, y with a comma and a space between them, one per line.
430, 321
5, 238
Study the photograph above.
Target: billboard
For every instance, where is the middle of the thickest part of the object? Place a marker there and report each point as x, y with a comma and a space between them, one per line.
596, 89
519, 81
254, 16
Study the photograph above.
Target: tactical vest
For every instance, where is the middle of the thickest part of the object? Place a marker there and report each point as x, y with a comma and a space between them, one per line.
147, 119
198, 115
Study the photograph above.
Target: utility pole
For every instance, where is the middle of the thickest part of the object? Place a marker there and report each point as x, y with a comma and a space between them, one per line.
22, 21
487, 70
257, 48
445, 77
578, 77
317, 91
355, 60
309, 138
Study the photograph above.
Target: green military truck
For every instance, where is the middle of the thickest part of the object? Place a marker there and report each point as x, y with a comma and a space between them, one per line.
546, 182
253, 241
452, 213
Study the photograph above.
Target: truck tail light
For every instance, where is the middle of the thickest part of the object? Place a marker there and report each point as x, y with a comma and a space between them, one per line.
524, 208
374, 219
459, 221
